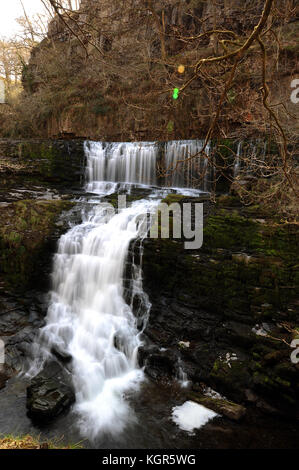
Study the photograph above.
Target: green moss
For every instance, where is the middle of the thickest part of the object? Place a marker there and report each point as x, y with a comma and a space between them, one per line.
283, 382
231, 377
27, 226
229, 230
51, 161
245, 272
249, 267
173, 198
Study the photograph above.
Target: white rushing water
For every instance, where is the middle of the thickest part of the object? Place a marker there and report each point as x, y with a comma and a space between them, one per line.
237, 159
195, 172
89, 318
111, 164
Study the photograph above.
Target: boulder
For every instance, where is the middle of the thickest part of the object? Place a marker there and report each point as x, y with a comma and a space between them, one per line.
61, 355
50, 393
158, 362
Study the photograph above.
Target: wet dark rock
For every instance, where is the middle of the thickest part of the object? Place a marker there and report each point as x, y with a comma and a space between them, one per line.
268, 409
21, 314
4, 376
261, 404
12, 321
60, 161
158, 362
251, 396
49, 394
34, 217
61, 355
213, 300
240, 334
120, 342
28, 238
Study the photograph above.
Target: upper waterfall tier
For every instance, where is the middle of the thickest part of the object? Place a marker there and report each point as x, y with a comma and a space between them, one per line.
185, 166
121, 163
147, 163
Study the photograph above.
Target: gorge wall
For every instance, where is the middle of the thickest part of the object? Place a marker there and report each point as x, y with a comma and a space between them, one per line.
224, 309
108, 70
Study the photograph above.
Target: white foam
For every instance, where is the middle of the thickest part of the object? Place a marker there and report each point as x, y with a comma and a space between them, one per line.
191, 415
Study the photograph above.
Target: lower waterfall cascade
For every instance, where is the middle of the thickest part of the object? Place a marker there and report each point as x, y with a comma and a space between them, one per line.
89, 319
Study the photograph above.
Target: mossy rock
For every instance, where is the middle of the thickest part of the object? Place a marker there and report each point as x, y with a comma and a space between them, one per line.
232, 378
24, 236
58, 161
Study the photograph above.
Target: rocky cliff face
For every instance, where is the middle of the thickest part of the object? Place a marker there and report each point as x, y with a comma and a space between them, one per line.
35, 211
107, 71
225, 311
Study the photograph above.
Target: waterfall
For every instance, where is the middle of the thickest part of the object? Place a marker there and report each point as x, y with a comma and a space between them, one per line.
182, 377
120, 163
89, 319
249, 156
237, 159
89, 316
114, 165
185, 172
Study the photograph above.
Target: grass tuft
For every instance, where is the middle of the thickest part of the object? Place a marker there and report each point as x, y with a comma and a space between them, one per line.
11, 442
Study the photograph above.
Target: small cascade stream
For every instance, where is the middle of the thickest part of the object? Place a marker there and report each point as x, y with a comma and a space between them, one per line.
189, 173
89, 319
